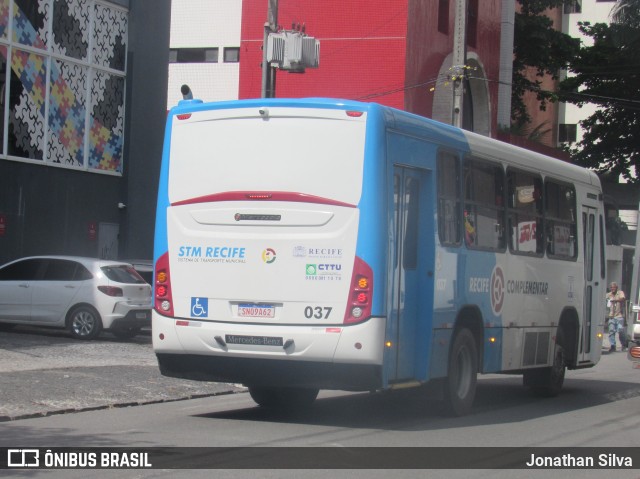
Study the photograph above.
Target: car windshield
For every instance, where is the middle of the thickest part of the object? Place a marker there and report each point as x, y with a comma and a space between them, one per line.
123, 274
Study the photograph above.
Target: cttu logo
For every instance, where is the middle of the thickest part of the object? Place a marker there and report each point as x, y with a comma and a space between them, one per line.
269, 255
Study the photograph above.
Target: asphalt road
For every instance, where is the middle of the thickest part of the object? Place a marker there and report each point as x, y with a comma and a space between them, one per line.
45, 372
118, 399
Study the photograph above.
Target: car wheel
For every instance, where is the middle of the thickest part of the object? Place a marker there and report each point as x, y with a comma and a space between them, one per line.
126, 333
283, 398
462, 376
84, 322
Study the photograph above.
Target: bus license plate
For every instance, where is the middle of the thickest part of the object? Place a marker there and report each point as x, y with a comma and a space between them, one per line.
256, 311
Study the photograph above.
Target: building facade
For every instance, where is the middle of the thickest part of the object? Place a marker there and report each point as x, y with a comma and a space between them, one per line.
592, 11
82, 107
205, 49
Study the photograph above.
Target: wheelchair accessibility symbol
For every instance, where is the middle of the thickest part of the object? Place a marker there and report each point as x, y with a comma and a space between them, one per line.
199, 307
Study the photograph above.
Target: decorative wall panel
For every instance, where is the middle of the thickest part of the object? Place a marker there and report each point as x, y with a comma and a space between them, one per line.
29, 22
27, 93
107, 121
67, 113
109, 38
66, 102
4, 18
70, 28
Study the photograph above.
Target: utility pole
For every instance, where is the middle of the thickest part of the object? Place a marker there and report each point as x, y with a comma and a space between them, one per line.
506, 63
459, 61
268, 73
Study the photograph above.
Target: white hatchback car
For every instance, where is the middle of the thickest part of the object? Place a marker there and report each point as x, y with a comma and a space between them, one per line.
84, 295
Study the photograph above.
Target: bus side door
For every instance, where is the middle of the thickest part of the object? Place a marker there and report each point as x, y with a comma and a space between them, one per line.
412, 275
592, 277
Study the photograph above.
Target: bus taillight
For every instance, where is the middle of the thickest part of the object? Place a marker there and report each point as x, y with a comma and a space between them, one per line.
360, 293
162, 287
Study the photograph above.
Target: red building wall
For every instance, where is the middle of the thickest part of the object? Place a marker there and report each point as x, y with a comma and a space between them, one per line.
387, 51
427, 49
362, 49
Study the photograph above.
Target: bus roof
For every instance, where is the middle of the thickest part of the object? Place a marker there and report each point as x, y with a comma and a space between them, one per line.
420, 126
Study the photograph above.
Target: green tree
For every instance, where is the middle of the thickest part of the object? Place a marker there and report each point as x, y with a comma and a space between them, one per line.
626, 15
538, 46
626, 12
607, 73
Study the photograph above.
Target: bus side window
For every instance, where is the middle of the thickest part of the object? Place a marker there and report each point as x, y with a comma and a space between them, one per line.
484, 205
410, 247
561, 220
469, 229
524, 193
448, 199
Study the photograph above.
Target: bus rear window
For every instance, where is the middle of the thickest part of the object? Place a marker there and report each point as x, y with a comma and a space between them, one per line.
320, 156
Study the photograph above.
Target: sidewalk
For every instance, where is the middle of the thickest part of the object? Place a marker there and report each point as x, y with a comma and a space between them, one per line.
49, 373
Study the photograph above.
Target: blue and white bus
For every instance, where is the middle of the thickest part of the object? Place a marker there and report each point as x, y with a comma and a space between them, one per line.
306, 244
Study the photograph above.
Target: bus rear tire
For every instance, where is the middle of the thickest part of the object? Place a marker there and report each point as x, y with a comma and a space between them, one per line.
460, 383
283, 398
547, 382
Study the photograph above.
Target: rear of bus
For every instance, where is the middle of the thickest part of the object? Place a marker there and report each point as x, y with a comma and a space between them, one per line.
260, 277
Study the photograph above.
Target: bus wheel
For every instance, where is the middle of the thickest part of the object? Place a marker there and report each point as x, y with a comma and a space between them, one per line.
547, 382
460, 383
283, 398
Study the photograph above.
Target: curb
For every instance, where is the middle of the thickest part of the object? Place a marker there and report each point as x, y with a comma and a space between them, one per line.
8, 418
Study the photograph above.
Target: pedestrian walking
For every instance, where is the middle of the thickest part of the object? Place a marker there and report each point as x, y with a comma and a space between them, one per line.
616, 304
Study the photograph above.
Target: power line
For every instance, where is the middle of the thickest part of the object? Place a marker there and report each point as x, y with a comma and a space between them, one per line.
624, 102
610, 69
633, 104
603, 99
370, 34
396, 90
